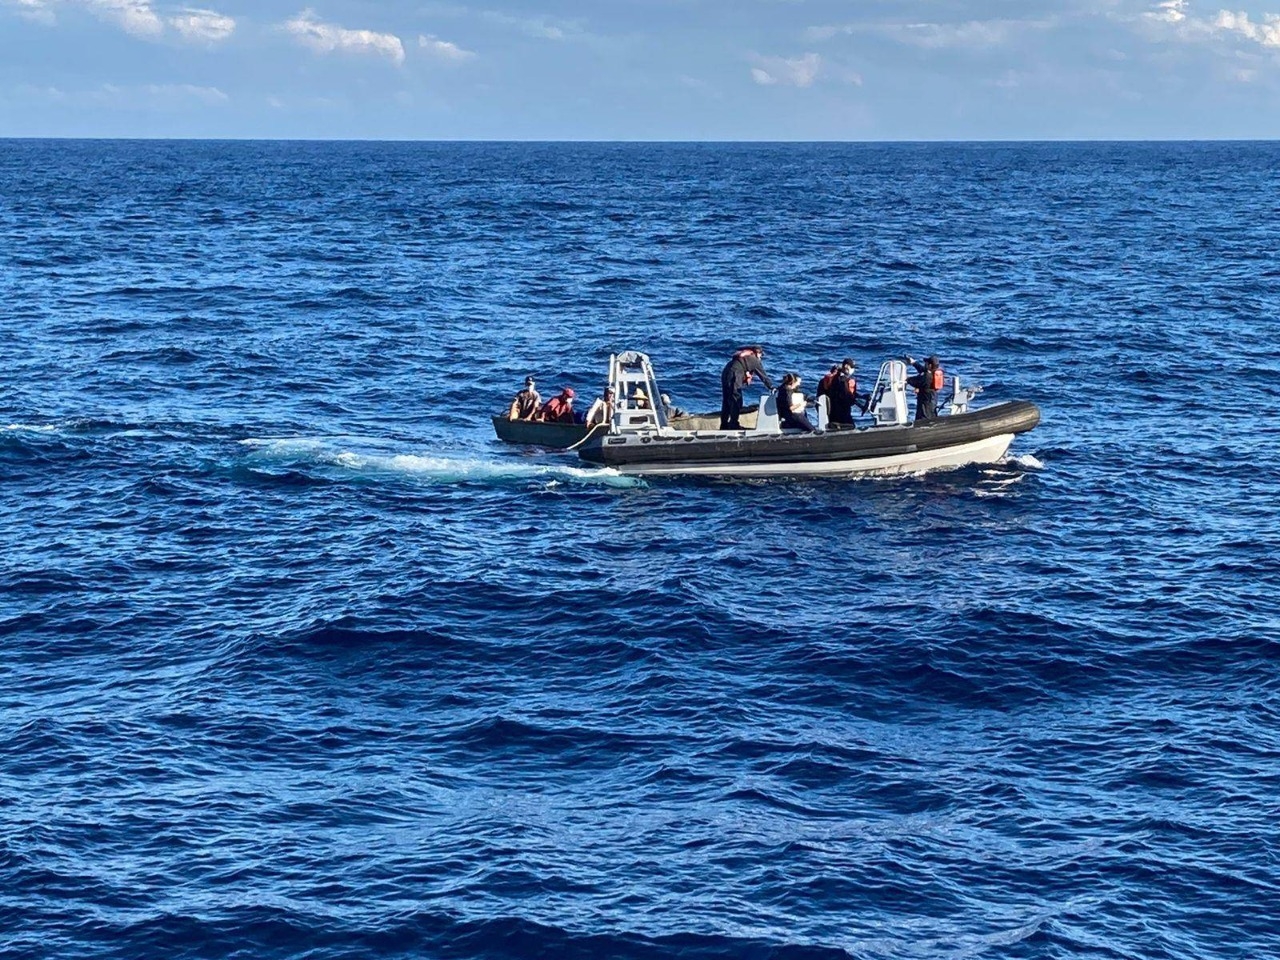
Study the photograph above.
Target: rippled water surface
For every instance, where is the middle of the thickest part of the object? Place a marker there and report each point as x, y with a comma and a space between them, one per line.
299, 661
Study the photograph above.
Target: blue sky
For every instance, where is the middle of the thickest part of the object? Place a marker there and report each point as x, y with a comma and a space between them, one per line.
642, 69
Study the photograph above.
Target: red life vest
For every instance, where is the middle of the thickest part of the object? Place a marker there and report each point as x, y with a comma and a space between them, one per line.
937, 378
557, 410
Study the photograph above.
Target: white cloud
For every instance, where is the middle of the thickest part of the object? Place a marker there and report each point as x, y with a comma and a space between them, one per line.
173, 96
443, 49
1266, 33
1169, 11
203, 25
28, 91
539, 28
328, 38
794, 71
179, 92
134, 17
1170, 19
971, 34
137, 18
39, 11
935, 36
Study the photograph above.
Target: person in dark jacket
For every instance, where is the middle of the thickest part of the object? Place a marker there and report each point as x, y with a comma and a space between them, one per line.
738, 372
791, 404
844, 396
828, 379
927, 383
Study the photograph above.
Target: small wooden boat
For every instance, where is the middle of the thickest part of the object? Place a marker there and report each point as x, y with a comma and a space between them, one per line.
537, 433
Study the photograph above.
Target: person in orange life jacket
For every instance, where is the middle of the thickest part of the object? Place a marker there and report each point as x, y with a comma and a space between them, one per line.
791, 404
824, 387
738, 372
559, 409
825, 384
844, 395
526, 404
601, 411
927, 383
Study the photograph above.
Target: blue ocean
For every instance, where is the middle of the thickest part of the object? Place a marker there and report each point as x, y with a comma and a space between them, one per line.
299, 661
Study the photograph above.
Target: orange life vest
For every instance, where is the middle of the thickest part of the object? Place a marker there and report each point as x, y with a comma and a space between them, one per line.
937, 378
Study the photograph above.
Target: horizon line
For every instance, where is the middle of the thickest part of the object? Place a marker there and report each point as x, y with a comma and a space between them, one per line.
590, 140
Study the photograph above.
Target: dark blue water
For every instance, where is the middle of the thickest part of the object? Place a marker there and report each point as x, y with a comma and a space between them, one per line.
298, 661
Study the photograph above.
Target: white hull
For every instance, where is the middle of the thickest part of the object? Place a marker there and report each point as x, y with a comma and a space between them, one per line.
980, 451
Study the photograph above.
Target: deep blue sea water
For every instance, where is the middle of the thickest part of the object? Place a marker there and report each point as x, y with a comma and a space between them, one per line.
298, 661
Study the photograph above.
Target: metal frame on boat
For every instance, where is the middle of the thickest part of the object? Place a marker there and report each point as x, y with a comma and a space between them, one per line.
639, 439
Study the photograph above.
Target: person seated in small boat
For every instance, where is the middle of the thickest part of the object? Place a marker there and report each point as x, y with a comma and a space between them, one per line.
791, 404
526, 404
843, 395
601, 410
640, 399
670, 410
927, 383
559, 409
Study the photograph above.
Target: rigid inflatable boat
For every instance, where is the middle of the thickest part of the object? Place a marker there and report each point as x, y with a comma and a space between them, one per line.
640, 441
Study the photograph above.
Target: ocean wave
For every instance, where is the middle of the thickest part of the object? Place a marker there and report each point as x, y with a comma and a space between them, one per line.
371, 683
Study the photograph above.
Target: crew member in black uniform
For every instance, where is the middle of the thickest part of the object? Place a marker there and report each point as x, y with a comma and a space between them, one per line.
745, 363
927, 383
791, 404
844, 395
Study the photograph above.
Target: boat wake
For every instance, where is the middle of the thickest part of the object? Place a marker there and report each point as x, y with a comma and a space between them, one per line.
431, 469
1026, 461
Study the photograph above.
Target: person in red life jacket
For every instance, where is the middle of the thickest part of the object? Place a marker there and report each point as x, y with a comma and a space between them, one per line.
559, 409
824, 385
927, 382
791, 404
844, 396
526, 404
744, 364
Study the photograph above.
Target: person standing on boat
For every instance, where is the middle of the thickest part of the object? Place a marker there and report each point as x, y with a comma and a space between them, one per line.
843, 394
927, 382
737, 373
828, 380
791, 404
526, 404
559, 409
601, 411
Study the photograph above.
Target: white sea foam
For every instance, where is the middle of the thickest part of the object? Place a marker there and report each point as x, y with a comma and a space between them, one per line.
438, 469
32, 428
1026, 461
